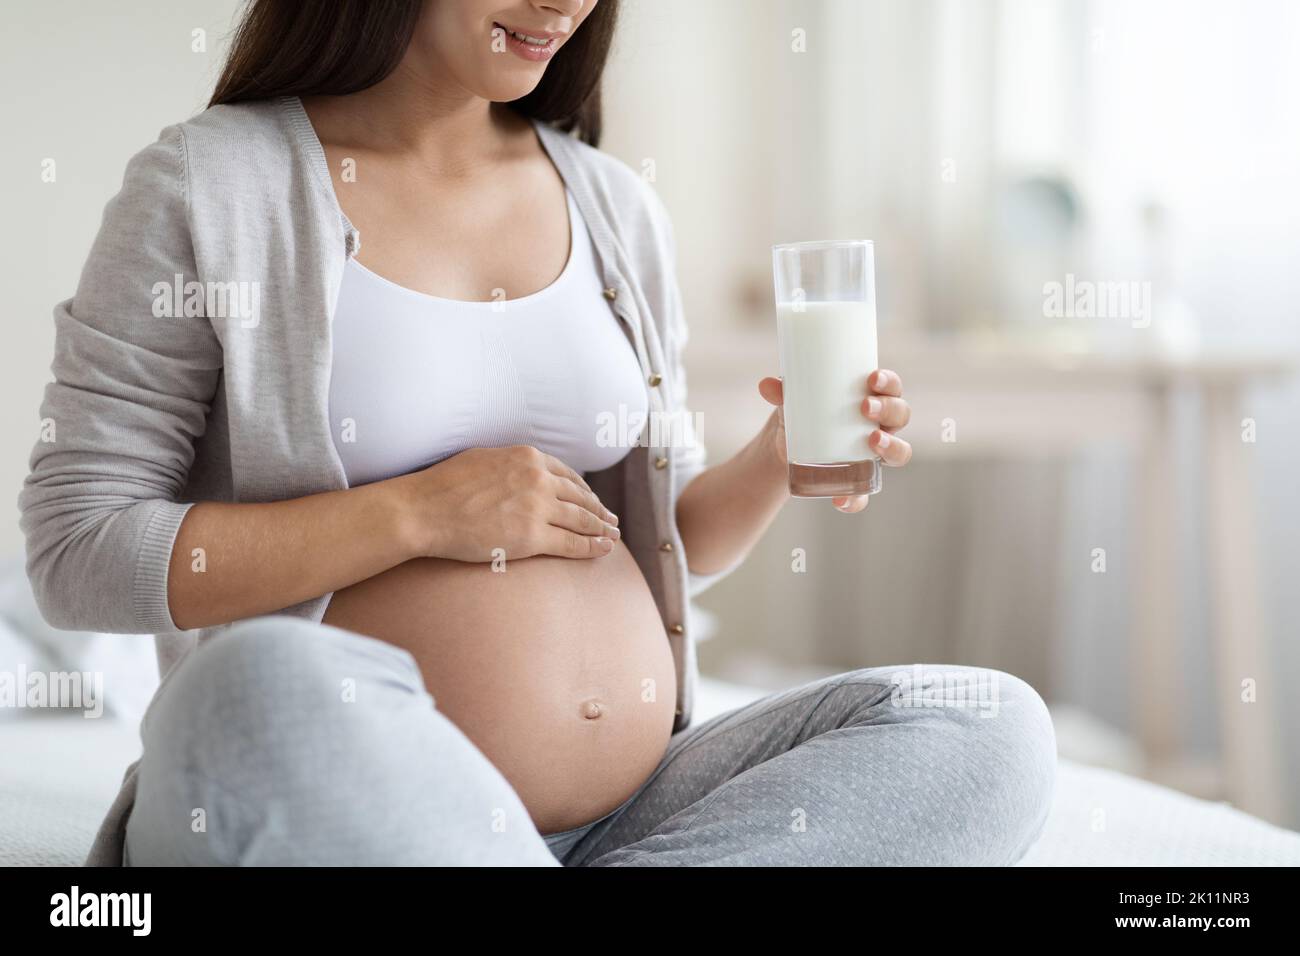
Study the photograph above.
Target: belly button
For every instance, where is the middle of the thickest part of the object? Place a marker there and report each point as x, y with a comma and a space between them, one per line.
590, 710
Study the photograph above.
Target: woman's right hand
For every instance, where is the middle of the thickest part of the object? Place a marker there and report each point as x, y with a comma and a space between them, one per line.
517, 499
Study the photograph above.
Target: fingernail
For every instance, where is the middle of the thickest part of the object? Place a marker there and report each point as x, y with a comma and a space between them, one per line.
873, 408
613, 518
613, 532
605, 544
884, 440
882, 379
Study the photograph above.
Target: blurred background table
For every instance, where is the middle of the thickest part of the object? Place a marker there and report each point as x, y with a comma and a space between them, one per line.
981, 397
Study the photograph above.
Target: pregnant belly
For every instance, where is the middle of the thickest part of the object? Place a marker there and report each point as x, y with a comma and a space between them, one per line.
558, 670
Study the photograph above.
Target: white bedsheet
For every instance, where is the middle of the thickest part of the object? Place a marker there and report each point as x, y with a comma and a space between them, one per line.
58, 774
1104, 818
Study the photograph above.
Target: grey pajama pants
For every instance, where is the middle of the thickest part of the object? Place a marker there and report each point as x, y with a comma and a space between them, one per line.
283, 742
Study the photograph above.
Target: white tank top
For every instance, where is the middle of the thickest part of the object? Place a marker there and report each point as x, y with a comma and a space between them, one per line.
417, 378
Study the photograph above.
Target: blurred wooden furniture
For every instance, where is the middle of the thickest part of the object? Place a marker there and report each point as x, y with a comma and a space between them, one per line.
1053, 398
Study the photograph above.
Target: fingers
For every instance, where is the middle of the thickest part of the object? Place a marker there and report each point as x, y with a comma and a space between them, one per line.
887, 412
851, 504
884, 382
565, 544
891, 449
885, 406
557, 467
772, 390
581, 520
566, 489
579, 526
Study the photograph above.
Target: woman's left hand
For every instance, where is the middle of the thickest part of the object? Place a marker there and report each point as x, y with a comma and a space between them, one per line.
882, 406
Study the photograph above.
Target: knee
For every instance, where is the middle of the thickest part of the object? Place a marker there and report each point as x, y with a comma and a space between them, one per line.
235, 674
258, 655
271, 673
1021, 718
251, 725
1000, 742
1016, 737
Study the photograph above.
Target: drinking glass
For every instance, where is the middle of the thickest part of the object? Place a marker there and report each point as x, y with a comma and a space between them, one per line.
826, 325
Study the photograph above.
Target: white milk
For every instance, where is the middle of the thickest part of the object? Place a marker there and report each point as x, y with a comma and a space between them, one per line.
827, 351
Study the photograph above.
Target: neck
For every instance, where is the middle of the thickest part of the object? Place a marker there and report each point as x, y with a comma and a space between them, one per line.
416, 112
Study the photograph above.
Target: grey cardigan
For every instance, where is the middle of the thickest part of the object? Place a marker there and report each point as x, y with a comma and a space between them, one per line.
148, 414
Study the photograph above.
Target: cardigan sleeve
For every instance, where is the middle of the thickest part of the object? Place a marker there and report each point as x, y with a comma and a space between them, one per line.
132, 388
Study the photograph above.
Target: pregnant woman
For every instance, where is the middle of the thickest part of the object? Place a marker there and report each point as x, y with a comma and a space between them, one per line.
416, 601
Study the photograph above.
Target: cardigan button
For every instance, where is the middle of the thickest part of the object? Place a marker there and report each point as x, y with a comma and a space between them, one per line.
677, 629
666, 546
661, 462
655, 379
611, 294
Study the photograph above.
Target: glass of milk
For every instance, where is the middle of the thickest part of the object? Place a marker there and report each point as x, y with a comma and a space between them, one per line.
826, 323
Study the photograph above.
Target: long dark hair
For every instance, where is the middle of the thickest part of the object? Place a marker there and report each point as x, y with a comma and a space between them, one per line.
333, 47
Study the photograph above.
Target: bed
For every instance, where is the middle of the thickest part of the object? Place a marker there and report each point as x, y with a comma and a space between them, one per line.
60, 770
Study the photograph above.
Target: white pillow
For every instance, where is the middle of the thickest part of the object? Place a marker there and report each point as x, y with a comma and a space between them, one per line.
127, 661
18, 653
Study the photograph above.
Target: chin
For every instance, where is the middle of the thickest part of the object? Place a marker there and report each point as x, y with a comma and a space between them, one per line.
504, 89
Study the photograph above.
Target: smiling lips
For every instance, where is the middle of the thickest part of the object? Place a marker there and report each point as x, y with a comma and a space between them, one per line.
530, 46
